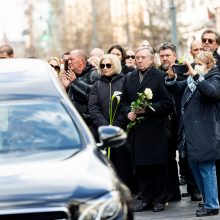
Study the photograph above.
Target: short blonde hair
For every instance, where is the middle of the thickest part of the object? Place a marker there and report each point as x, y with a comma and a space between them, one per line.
116, 64
54, 58
207, 58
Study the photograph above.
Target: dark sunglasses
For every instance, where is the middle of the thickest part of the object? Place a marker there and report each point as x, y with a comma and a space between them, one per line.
107, 65
130, 56
57, 68
210, 41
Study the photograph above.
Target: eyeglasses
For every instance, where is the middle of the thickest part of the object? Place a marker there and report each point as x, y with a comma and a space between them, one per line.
107, 65
57, 68
210, 41
130, 56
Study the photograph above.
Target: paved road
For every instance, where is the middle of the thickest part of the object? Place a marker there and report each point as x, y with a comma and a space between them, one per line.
183, 210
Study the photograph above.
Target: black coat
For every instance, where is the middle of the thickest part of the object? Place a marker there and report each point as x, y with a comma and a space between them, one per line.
201, 118
127, 69
148, 139
99, 101
79, 89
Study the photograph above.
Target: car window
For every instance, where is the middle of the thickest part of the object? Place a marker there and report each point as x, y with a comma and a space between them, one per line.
36, 126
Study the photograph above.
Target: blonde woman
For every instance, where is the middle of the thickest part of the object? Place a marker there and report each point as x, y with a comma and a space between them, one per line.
200, 125
55, 63
99, 108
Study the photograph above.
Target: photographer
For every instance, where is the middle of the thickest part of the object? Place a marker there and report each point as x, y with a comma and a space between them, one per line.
199, 126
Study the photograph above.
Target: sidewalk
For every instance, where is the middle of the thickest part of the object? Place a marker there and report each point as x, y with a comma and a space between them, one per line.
183, 210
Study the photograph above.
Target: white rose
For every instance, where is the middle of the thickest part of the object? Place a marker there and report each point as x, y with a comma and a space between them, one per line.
148, 93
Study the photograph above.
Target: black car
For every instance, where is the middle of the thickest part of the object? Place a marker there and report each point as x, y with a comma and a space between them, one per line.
50, 165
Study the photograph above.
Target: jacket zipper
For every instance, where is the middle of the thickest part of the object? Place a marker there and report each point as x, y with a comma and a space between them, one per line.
110, 92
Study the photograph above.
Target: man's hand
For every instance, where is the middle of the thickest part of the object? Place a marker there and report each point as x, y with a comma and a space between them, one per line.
139, 111
65, 81
132, 116
71, 76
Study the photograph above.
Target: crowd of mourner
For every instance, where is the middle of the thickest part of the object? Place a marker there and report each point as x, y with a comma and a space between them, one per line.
174, 105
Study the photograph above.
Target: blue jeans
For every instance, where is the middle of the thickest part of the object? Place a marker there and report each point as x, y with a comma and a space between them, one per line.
205, 176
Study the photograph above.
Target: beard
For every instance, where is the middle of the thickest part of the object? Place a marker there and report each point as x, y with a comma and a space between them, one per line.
165, 66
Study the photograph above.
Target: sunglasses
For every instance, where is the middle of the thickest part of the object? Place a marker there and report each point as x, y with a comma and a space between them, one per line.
130, 56
107, 65
210, 41
57, 68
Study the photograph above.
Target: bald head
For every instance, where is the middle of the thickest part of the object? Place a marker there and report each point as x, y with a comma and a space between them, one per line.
77, 61
195, 48
97, 52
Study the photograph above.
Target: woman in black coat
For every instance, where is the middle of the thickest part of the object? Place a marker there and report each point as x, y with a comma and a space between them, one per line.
110, 83
199, 128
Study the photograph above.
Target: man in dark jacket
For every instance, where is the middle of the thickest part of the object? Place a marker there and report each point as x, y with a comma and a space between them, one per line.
78, 80
148, 138
168, 57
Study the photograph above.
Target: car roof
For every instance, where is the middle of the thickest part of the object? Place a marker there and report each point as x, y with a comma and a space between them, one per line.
27, 77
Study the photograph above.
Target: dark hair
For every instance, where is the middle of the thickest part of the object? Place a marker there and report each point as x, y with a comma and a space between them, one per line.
167, 45
217, 36
120, 48
66, 53
6, 49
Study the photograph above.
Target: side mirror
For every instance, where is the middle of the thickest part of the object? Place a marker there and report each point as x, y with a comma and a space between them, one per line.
111, 136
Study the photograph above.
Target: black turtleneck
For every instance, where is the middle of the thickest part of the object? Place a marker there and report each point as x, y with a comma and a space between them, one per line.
109, 78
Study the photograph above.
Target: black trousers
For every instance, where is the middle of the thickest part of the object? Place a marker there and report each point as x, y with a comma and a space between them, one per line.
121, 160
190, 180
173, 174
152, 180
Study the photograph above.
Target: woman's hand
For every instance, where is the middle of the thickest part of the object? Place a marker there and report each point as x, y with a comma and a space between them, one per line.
191, 71
170, 72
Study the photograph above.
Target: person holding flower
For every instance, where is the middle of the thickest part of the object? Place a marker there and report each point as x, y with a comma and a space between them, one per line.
104, 109
147, 137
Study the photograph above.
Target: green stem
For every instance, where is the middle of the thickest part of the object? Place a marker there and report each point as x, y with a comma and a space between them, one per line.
110, 112
108, 153
115, 112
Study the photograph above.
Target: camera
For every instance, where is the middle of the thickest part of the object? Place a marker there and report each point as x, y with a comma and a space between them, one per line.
180, 69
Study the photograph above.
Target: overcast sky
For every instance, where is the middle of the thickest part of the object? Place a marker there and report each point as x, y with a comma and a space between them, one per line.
12, 19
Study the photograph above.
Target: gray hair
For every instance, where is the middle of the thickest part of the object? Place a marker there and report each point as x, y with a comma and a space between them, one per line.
150, 50
167, 45
79, 53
